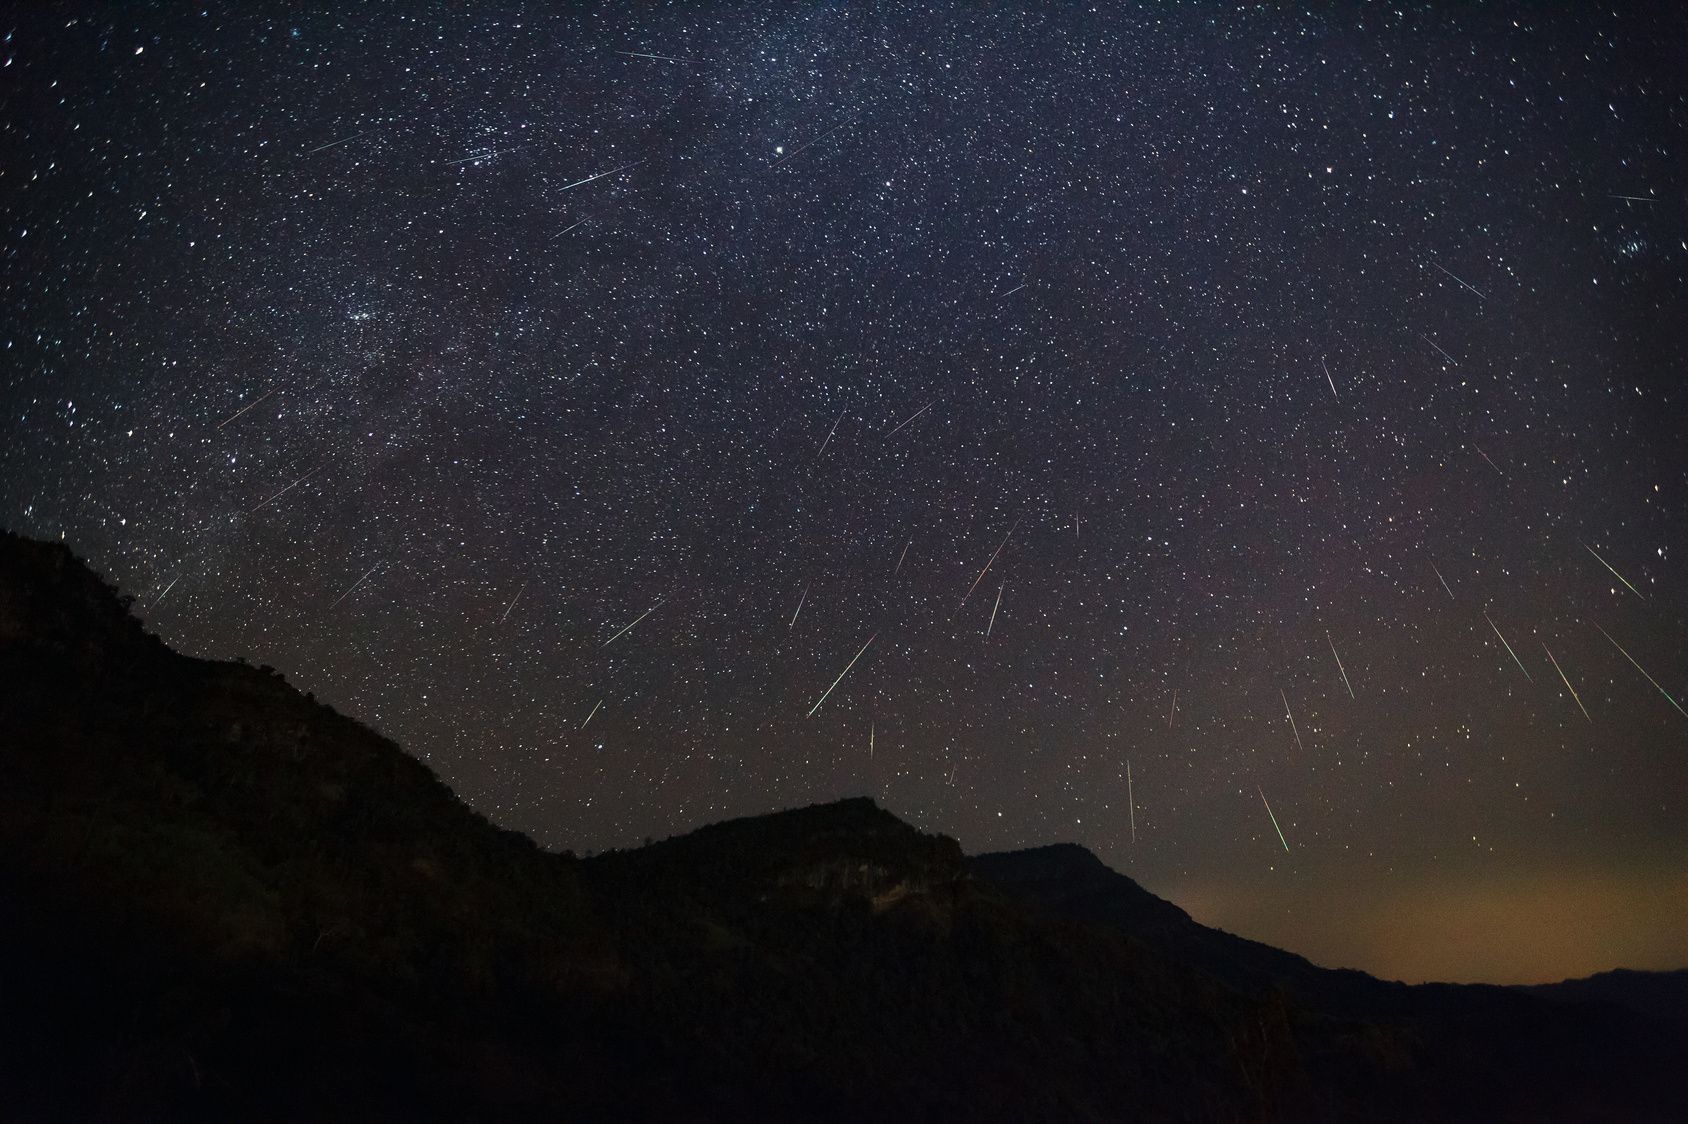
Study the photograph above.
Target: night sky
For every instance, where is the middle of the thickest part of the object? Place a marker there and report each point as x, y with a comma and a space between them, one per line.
1278, 408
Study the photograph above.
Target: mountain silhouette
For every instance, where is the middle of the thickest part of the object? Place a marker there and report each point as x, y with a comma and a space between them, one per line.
220, 899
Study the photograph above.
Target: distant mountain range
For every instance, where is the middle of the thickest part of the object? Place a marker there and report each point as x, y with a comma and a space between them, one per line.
221, 900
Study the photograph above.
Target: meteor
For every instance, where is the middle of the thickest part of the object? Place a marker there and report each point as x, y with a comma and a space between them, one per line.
1275, 826
1130, 801
1438, 348
589, 717
1173, 713
900, 558
1339, 666
994, 608
988, 565
245, 408
512, 603
629, 628
659, 58
840, 678
1291, 718
1509, 650
1615, 574
1461, 280
285, 490
1642, 670
800, 601
1566, 681
1328, 379
1443, 580
167, 589
355, 584
600, 175
910, 418
830, 432
342, 140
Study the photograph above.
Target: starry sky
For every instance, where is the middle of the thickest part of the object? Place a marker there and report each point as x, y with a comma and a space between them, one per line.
1252, 444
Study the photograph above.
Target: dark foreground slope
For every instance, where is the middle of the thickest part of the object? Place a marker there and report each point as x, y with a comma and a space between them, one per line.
221, 900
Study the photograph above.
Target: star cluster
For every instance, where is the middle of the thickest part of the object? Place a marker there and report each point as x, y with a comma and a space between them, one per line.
1286, 408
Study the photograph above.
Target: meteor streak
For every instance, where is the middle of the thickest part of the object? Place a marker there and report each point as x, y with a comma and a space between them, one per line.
1291, 718
800, 601
1615, 574
1509, 650
1130, 801
1642, 670
830, 432
245, 408
285, 490
840, 678
589, 717
910, 418
629, 628
988, 565
1275, 826
1566, 681
1461, 280
355, 584
1339, 666
601, 175
806, 144
1328, 379
167, 589
1438, 348
900, 558
1485, 456
342, 140
994, 608
660, 58
1443, 580
512, 603
1173, 713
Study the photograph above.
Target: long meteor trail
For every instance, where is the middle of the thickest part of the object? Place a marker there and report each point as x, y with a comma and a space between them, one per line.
911, 418
840, 678
830, 432
994, 608
988, 565
601, 175
512, 603
1565, 681
1291, 718
1130, 801
1339, 666
355, 584
1509, 650
1642, 670
1461, 280
1443, 580
800, 601
1615, 574
629, 627
1275, 826
245, 408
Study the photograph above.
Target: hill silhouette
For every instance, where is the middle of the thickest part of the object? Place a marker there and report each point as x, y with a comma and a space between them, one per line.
220, 899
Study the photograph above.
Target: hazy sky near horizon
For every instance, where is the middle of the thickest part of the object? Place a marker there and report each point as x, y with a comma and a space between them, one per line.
1250, 444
